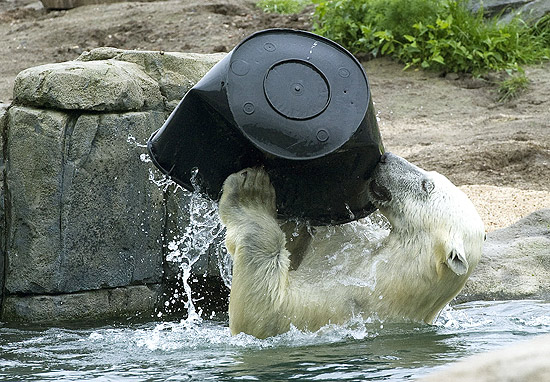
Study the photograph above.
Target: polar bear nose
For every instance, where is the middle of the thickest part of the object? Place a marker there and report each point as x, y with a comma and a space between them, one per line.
384, 157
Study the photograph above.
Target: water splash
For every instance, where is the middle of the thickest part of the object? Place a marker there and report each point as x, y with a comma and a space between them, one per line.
225, 264
145, 158
358, 350
451, 318
170, 336
162, 181
350, 212
200, 232
133, 141
538, 321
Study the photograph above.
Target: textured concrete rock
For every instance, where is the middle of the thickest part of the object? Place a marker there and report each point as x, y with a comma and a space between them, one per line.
92, 86
515, 262
527, 361
531, 12
494, 7
112, 216
34, 177
528, 10
93, 305
82, 212
3, 122
175, 73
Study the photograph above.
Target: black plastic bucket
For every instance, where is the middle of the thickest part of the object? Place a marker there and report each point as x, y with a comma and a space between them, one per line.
293, 102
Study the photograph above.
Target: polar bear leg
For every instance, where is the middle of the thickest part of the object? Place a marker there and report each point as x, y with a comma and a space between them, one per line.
260, 260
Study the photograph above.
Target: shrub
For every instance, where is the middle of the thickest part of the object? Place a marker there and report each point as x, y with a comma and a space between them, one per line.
441, 35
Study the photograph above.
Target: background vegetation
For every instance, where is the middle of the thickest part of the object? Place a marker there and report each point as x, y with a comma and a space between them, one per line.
433, 34
441, 35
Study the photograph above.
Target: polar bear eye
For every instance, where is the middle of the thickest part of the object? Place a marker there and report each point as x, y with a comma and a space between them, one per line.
427, 185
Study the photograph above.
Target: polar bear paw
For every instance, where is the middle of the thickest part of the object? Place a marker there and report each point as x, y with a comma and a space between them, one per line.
246, 192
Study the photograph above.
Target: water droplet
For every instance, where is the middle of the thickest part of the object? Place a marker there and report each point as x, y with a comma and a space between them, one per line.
350, 212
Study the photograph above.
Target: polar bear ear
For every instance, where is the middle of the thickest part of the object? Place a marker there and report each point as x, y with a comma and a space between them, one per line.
457, 262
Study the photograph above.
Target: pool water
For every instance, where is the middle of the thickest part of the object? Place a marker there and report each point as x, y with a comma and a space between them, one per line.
203, 350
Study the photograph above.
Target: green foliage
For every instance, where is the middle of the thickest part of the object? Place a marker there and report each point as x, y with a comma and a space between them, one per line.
512, 87
283, 6
442, 35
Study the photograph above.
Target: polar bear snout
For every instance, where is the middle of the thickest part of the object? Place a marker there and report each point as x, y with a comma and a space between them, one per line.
384, 157
392, 165
393, 178
379, 185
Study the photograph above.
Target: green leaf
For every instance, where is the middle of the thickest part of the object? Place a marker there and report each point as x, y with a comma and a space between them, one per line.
438, 59
387, 48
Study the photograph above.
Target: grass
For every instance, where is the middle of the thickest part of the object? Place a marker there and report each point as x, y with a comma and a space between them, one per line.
283, 6
512, 87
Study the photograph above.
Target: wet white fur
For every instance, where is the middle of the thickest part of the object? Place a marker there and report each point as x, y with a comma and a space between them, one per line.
409, 274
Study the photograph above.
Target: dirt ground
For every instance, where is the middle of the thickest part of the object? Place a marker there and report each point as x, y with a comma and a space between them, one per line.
499, 153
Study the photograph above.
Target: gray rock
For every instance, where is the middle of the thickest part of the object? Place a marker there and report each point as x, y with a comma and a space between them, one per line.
93, 86
112, 216
175, 73
3, 122
495, 7
34, 177
515, 262
102, 304
526, 361
82, 212
528, 10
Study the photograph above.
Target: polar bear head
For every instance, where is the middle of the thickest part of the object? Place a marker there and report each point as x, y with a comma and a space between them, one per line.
428, 213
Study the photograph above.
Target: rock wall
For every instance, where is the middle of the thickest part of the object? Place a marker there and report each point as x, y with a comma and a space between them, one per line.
85, 230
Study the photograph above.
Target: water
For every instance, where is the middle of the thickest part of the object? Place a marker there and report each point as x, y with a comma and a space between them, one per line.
204, 350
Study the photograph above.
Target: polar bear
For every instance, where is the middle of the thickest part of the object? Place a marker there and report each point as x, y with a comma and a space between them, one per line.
334, 274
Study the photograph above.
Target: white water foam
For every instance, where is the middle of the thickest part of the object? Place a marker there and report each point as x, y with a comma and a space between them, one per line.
170, 336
